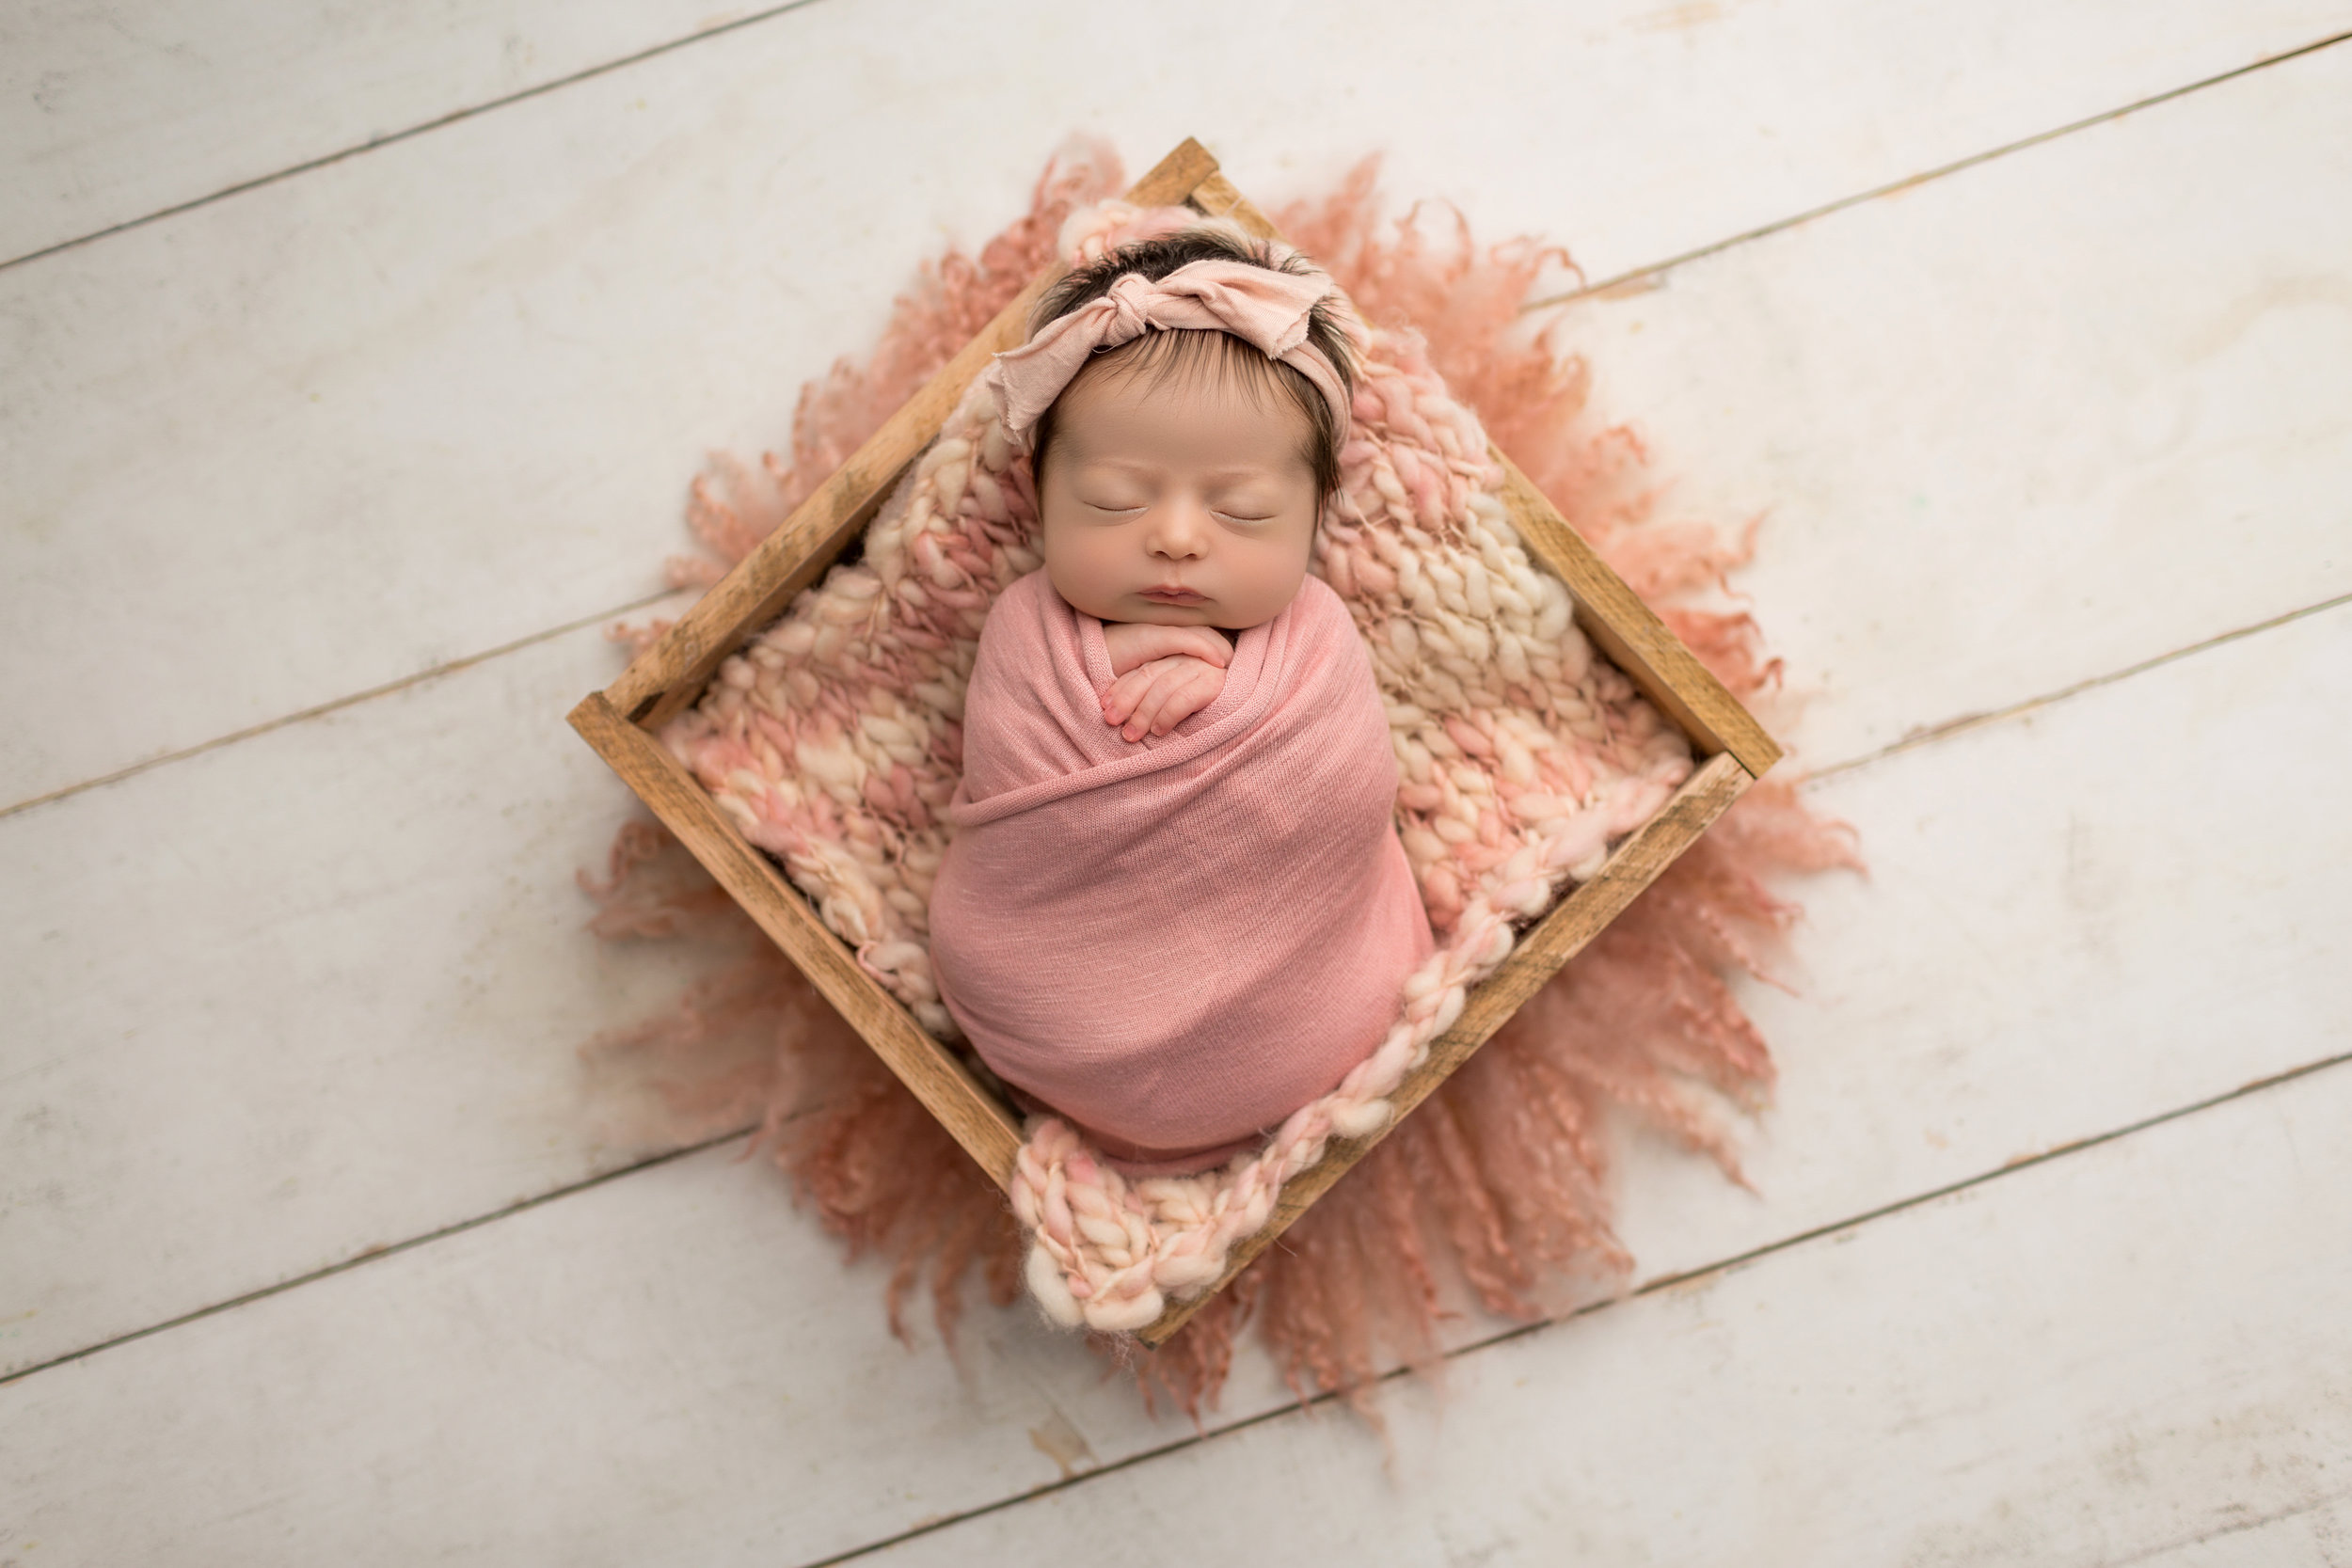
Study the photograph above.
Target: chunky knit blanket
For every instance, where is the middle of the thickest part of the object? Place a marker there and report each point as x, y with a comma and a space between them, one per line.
831, 737
1174, 941
833, 744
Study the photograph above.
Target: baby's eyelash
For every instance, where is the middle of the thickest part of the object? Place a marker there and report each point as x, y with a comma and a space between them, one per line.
1130, 511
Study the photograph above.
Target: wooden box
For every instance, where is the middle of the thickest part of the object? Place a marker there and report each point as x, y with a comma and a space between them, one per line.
620, 723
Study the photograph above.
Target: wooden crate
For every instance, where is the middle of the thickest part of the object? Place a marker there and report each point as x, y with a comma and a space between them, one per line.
620, 723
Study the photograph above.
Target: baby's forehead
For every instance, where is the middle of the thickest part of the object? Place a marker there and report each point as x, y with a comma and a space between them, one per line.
1113, 409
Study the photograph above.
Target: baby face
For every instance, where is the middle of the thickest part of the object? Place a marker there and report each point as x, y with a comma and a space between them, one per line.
1183, 500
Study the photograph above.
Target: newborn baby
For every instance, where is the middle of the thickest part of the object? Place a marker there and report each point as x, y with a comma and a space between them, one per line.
1175, 909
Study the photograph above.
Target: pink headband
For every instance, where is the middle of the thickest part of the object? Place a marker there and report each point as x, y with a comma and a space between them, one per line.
1258, 305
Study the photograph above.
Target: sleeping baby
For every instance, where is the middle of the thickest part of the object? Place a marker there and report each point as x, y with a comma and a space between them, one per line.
1175, 909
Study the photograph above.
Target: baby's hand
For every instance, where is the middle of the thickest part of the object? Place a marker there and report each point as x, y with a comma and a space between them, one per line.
1155, 698
1166, 675
1133, 643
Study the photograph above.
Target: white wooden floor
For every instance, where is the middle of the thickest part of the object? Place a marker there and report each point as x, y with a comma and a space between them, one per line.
352, 364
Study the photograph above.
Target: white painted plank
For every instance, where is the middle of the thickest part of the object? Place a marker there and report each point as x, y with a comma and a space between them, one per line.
2074, 919
670, 1368
2101, 1356
2038, 959
114, 109
425, 402
111, 110
301, 997
2040, 421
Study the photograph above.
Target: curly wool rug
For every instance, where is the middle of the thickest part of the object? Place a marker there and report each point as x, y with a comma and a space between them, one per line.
1498, 1184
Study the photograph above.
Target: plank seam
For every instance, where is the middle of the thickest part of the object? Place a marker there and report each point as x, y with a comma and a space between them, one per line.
376, 1254
323, 709
1913, 182
1967, 722
421, 128
2227, 1530
1648, 1288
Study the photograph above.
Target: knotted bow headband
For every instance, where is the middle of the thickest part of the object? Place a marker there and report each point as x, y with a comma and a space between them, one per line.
1267, 309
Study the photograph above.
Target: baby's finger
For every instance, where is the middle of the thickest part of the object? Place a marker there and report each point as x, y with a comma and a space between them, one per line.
1120, 701
1186, 694
1138, 721
1135, 643
1165, 674
1201, 689
1207, 643
1128, 690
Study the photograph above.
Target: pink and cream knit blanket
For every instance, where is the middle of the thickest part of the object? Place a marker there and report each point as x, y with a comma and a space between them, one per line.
1179, 940
836, 742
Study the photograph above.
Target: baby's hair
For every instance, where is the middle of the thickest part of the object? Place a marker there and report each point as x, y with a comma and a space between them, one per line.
1158, 355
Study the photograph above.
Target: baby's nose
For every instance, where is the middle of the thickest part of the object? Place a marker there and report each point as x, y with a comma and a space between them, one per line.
1179, 533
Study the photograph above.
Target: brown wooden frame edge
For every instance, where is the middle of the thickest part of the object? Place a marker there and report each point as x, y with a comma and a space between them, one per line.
668, 675
945, 1086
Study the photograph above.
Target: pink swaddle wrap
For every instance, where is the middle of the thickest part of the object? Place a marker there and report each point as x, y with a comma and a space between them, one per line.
1175, 943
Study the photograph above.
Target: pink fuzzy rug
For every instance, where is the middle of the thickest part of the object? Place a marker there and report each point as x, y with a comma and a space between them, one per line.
1497, 1185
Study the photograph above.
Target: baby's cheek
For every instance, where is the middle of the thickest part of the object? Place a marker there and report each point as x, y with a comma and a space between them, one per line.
1270, 577
1081, 563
